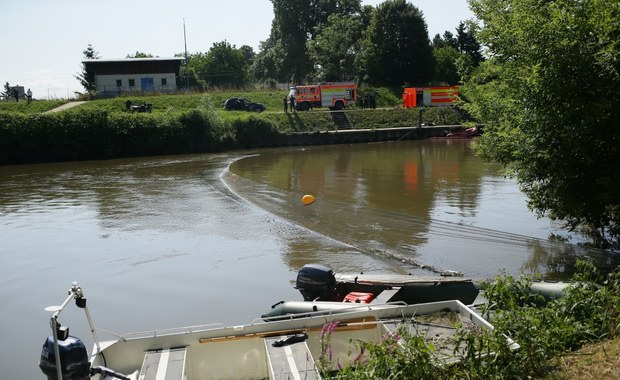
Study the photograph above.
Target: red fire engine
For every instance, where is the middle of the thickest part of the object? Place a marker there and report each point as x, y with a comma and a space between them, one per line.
430, 96
336, 96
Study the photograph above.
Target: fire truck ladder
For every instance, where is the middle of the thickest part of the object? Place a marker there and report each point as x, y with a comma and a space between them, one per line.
341, 120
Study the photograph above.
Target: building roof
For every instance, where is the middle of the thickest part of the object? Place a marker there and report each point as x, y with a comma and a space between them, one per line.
132, 66
133, 59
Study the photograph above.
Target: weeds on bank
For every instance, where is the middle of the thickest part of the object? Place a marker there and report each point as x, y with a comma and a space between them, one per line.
588, 312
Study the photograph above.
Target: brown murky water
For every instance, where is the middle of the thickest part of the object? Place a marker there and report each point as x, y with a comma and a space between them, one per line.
169, 241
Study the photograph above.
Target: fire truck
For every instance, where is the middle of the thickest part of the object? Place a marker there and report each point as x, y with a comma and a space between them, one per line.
430, 96
335, 96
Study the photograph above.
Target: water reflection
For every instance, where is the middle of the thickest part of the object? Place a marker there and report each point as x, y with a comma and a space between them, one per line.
431, 205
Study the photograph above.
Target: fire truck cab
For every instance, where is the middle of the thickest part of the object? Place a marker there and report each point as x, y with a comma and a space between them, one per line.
335, 96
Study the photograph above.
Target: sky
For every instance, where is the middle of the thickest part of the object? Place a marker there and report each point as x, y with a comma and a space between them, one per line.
43, 40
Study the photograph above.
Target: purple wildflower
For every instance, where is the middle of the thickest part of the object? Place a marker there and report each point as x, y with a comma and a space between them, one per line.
359, 356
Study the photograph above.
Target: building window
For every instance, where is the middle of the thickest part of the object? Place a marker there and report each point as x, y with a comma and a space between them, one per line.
164, 81
119, 83
132, 83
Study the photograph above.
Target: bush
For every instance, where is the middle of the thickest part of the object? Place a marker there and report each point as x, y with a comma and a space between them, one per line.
91, 135
255, 132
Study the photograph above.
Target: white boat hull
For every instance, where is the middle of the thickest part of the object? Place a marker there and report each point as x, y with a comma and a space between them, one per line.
241, 352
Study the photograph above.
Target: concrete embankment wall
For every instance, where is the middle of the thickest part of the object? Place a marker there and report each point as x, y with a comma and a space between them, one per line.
350, 136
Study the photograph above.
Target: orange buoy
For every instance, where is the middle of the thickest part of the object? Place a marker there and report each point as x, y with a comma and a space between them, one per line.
307, 199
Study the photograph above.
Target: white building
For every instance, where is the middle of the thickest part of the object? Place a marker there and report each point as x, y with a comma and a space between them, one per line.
113, 77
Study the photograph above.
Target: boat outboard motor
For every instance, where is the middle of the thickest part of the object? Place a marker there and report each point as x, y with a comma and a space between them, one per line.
73, 359
317, 282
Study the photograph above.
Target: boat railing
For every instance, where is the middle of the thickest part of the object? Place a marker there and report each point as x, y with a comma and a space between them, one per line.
256, 321
165, 332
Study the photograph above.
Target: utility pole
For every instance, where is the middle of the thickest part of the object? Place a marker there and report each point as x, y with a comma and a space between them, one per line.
186, 68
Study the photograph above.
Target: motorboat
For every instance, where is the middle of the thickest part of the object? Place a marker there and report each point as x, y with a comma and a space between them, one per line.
324, 290
286, 348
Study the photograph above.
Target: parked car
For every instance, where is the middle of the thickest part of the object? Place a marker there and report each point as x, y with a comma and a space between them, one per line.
241, 104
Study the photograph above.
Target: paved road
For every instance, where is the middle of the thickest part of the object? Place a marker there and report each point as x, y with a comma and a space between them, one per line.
65, 106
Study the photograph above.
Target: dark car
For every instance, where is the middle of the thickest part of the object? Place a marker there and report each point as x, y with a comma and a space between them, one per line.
240, 104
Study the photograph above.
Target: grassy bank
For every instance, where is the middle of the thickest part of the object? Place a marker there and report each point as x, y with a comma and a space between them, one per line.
178, 124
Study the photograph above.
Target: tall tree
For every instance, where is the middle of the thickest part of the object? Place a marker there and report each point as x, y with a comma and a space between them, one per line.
455, 54
334, 48
269, 64
296, 22
548, 96
467, 43
396, 48
87, 78
446, 71
225, 65
447, 39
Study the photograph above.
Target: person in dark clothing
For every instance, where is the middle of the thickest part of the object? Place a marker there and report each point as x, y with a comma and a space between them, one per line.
285, 103
293, 103
16, 94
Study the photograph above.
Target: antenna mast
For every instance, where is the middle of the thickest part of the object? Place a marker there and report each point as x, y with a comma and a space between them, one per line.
186, 68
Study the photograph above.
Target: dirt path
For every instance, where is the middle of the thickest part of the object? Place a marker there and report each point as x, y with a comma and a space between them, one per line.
65, 106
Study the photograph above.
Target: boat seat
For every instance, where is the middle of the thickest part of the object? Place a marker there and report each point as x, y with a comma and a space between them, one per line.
164, 364
386, 295
289, 361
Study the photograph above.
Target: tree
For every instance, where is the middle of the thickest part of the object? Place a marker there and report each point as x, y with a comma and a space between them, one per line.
225, 65
396, 48
548, 96
8, 92
446, 71
334, 48
467, 43
447, 39
87, 78
268, 64
285, 54
454, 55
139, 54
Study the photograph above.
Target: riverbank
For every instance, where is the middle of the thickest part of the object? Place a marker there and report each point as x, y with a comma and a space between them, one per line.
594, 361
185, 124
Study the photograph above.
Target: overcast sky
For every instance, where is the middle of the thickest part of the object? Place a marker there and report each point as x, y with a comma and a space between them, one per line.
42, 40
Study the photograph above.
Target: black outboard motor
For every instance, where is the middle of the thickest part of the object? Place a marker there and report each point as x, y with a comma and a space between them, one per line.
317, 282
73, 359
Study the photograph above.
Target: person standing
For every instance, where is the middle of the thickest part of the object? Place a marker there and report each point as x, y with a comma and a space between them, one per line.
285, 105
293, 104
29, 95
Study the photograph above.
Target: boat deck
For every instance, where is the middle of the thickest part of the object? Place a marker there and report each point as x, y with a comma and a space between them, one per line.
288, 349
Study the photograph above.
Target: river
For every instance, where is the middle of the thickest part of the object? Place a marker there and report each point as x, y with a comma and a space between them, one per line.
169, 241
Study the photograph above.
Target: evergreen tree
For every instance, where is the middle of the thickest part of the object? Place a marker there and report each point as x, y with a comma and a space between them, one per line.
87, 78
396, 49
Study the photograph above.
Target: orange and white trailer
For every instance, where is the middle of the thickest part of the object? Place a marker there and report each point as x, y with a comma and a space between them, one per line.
332, 95
430, 96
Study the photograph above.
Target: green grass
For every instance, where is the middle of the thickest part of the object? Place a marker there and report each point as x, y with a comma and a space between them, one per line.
272, 99
182, 102
36, 106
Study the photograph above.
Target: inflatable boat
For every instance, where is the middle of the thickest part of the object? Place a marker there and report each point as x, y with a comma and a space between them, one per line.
324, 290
